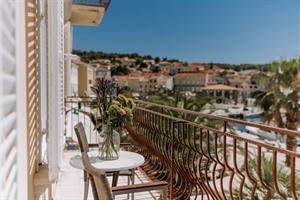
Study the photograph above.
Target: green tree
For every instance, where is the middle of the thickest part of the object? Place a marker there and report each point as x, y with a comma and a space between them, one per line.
143, 65
178, 100
138, 62
119, 70
157, 60
155, 68
282, 95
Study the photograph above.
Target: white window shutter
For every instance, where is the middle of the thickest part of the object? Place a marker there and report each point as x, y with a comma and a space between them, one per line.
8, 101
67, 50
55, 86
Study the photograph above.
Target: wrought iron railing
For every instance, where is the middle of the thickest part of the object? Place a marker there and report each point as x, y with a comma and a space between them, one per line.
203, 157
80, 109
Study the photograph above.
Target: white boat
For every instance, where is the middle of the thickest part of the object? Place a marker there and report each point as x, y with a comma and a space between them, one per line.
252, 112
220, 113
270, 135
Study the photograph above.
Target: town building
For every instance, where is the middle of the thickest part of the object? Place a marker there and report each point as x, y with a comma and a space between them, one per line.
86, 77
103, 71
192, 82
121, 80
243, 82
216, 79
222, 92
238, 80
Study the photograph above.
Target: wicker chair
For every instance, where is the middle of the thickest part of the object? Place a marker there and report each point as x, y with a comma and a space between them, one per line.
84, 147
103, 191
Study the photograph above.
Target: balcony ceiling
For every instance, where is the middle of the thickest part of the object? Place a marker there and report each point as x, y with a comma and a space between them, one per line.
87, 15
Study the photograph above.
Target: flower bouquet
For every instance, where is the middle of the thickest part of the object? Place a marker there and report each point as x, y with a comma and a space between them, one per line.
114, 111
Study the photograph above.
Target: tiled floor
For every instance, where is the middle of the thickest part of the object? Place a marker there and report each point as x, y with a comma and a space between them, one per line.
70, 185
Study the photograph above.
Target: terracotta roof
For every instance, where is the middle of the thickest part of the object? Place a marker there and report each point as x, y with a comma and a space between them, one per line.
104, 77
135, 77
121, 78
103, 69
165, 62
189, 75
79, 62
177, 64
219, 87
199, 65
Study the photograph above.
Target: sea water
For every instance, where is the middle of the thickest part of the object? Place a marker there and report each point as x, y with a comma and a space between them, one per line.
256, 120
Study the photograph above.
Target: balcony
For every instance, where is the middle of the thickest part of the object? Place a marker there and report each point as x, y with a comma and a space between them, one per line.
203, 156
88, 12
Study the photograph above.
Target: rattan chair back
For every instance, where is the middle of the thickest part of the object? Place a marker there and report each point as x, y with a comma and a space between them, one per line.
81, 136
99, 182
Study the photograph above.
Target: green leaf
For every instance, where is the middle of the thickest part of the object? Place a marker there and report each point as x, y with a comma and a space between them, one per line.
285, 91
97, 126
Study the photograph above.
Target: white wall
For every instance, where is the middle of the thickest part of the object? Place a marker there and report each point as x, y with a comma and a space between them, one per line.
169, 83
74, 79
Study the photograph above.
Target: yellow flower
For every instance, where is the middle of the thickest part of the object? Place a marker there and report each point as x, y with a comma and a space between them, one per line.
130, 103
123, 98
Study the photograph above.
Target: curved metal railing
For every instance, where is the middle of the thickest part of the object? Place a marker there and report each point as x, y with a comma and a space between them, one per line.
204, 162
202, 156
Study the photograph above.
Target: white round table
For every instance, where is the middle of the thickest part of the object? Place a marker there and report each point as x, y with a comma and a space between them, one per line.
127, 160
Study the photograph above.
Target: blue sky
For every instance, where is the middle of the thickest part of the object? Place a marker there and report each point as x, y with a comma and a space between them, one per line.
226, 31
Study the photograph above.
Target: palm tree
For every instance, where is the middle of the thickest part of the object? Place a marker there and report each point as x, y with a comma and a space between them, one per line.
281, 99
178, 100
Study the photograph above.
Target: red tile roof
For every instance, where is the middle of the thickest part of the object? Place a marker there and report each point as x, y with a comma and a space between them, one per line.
219, 87
189, 75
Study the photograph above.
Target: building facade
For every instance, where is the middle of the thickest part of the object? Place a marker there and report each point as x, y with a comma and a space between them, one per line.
192, 82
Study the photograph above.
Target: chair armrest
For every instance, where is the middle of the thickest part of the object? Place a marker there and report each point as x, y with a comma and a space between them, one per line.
158, 185
125, 145
93, 145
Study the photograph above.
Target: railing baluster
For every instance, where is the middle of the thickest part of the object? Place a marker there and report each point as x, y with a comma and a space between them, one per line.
216, 162
212, 192
204, 158
274, 175
259, 173
293, 177
253, 181
236, 167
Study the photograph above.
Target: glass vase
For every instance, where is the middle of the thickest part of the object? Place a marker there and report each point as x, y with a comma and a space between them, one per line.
109, 143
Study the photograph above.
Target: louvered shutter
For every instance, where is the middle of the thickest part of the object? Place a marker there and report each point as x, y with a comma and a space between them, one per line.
67, 50
32, 83
55, 86
8, 101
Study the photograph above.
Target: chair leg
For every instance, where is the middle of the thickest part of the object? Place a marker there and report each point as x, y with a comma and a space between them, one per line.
128, 183
115, 178
164, 193
86, 185
132, 181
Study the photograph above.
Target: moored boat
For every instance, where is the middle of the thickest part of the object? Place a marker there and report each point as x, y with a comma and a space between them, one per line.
270, 135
